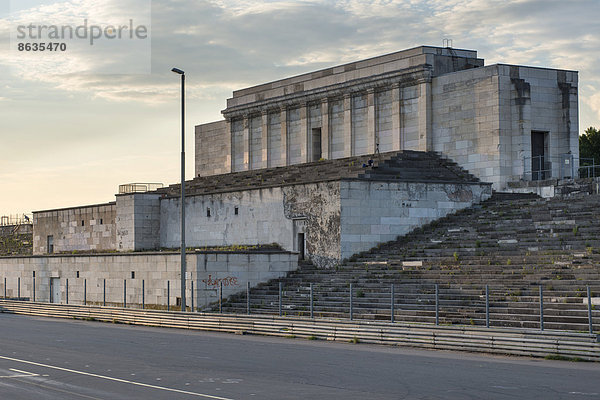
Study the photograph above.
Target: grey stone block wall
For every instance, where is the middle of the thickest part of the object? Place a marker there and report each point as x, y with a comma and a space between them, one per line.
138, 221
376, 212
75, 229
206, 270
210, 142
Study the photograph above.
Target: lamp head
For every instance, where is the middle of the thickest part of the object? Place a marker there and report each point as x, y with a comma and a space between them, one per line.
178, 71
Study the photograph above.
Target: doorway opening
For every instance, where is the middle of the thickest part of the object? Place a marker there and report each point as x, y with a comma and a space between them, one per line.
54, 290
316, 144
540, 168
301, 245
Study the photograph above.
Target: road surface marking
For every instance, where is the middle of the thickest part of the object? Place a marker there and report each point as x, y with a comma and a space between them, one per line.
23, 372
20, 374
208, 396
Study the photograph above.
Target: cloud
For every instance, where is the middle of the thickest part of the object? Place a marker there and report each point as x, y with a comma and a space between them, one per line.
243, 42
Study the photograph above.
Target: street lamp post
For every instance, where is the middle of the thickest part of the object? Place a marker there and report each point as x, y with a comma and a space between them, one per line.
182, 73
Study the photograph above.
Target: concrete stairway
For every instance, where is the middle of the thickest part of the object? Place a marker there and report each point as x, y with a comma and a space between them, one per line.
512, 243
405, 166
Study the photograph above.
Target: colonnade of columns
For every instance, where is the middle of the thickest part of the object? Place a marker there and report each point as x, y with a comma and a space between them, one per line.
306, 129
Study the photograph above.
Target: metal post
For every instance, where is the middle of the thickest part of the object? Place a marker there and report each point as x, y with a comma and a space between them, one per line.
67, 290
487, 306
192, 282
220, 296
183, 266
541, 308
437, 304
19, 288
168, 295
392, 304
5, 288
85, 292
124, 293
143, 294
34, 286
312, 309
589, 296
280, 295
351, 310
248, 298
104, 293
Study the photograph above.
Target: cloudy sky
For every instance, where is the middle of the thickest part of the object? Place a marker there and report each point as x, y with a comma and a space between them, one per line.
76, 124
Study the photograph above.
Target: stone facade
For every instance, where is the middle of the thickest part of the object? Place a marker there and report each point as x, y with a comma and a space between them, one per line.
75, 229
138, 221
426, 98
325, 211
117, 275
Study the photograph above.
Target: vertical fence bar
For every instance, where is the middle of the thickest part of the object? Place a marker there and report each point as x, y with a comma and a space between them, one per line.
248, 298
19, 288
221, 297
351, 305
541, 308
192, 283
487, 306
124, 293
143, 294
168, 295
34, 286
312, 309
280, 296
392, 304
85, 292
104, 292
589, 296
437, 304
67, 290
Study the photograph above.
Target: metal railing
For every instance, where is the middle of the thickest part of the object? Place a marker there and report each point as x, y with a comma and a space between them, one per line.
139, 187
564, 166
16, 219
536, 307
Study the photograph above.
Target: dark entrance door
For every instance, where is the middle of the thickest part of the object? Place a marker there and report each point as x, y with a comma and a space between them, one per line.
316, 144
301, 245
538, 155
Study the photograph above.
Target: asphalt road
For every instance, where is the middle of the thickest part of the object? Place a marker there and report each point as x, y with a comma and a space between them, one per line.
65, 359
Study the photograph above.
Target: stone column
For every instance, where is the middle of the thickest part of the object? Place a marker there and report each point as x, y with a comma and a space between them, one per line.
347, 125
284, 136
371, 122
325, 128
228, 167
265, 139
397, 137
425, 137
304, 142
246, 142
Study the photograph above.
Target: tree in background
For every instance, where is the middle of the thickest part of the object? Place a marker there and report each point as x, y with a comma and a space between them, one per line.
589, 145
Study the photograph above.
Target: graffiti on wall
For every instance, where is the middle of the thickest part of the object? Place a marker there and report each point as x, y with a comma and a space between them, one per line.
226, 281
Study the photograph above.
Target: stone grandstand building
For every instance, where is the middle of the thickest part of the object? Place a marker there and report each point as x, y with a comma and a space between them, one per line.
500, 122
334, 162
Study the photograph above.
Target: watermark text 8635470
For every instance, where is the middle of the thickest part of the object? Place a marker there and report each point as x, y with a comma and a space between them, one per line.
49, 46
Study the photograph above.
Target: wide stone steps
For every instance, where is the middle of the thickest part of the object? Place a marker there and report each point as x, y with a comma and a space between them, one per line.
510, 243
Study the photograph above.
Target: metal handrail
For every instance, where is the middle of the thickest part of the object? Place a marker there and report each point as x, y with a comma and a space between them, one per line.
16, 219
139, 187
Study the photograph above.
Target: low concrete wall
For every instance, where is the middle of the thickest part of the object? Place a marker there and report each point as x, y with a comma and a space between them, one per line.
119, 275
